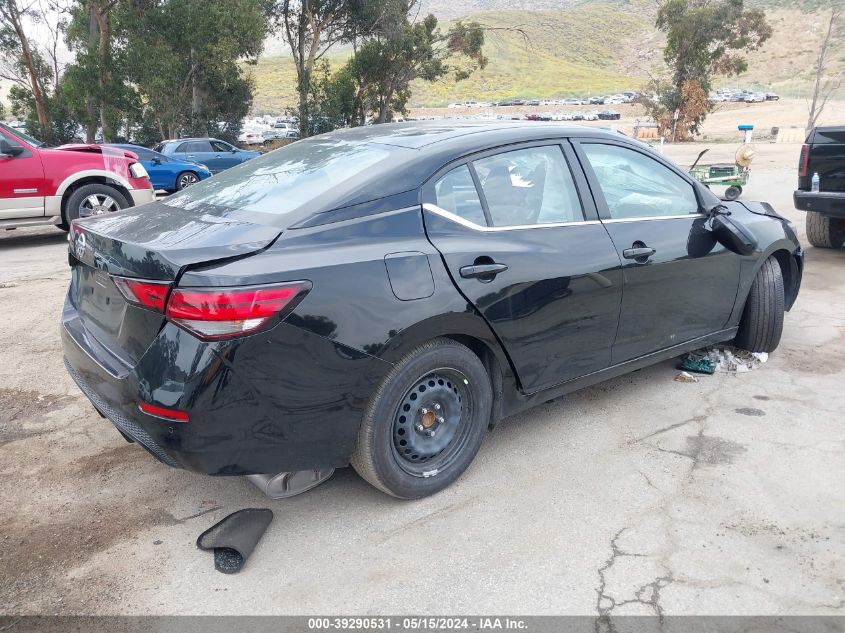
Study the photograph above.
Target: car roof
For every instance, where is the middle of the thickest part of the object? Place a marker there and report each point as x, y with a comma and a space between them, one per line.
192, 138
425, 134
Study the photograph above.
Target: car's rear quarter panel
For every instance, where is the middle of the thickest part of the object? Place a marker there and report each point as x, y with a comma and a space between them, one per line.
318, 368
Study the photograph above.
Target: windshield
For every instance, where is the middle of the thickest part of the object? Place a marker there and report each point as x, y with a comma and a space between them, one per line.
286, 179
21, 135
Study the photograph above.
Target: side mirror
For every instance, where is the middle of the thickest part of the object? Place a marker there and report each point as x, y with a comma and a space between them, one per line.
733, 235
9, 150
156, 160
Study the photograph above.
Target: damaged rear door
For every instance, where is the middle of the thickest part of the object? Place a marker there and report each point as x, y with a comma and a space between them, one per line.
525, 247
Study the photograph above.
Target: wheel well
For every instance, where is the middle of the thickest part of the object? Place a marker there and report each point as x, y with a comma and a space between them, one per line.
493, 367
92, 180
791, 274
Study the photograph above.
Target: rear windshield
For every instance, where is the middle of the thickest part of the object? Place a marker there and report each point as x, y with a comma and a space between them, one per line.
288, 178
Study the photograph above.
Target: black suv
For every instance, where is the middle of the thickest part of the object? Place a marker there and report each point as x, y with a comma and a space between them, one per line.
824, 154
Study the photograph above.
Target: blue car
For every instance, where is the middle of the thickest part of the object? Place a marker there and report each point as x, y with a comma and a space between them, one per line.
216, 155
167, 172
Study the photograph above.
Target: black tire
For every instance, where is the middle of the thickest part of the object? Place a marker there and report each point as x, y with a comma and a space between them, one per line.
732, 193
762, 320
186, 179
73, 208
824, 231
450, 373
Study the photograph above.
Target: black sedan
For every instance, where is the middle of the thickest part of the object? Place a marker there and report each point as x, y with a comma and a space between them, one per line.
383, 296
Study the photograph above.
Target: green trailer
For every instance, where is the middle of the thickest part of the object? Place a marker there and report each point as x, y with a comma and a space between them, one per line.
733, 176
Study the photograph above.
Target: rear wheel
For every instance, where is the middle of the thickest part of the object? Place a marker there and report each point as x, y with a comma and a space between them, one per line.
425, 422
762, 320
732, 193
91, 200
824, 231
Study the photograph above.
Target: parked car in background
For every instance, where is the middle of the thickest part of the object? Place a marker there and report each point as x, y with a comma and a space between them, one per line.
166, 172
43, 185
772, 96
755, 97
823, 159
308, 309
215, 154
273, 134
608, 115
251, 137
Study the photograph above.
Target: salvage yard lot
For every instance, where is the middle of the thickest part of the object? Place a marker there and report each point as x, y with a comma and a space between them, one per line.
637, 495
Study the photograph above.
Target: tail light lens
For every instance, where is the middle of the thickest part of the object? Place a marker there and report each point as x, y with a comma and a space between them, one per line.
164, 413
147, 294
220, 313
804, 160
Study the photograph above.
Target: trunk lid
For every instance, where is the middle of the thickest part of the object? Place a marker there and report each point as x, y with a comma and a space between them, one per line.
154, 242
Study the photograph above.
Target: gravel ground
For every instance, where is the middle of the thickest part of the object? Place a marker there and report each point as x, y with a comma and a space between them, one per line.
640, 495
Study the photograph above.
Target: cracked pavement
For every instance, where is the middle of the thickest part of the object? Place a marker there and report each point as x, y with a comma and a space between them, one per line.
641, 495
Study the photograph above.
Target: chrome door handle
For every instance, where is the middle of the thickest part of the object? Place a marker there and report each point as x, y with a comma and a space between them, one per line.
482, 270
643, 252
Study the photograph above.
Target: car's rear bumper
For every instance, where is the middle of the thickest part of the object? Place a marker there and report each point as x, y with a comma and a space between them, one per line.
824, 202
141, 196
284, 400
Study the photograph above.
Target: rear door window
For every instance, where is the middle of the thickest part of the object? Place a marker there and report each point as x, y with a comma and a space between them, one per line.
529, 186
193, 147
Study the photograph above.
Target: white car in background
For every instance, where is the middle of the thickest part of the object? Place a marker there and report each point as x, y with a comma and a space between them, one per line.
251, 137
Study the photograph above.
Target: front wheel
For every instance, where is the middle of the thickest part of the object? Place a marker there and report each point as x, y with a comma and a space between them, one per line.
186, 179
425, 422
91, 200
762, 320
824, 231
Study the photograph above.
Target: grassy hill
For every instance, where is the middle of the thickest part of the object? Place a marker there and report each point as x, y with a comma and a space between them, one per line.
585, 49
574, 47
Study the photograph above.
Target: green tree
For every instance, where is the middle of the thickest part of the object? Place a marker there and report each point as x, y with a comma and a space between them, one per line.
27, 64
311, 28
185, 57
703, 38
98, 85
386, 66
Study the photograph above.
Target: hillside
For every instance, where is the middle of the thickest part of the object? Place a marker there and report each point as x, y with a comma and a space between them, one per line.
573, 47
591, 48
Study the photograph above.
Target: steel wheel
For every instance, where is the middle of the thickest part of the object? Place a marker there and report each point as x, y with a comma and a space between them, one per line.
186, 180
97, 204
425, 420
430, 426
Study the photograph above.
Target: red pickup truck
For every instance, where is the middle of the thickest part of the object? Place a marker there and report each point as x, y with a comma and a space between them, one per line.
40, 185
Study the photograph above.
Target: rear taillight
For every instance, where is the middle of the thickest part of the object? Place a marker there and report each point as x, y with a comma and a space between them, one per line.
147, 294
219, 313
804, 160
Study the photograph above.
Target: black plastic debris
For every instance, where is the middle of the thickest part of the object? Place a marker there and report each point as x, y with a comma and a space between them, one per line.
234, 538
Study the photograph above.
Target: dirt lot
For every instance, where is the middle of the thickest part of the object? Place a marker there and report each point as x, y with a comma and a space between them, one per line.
635, 496
719, 126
